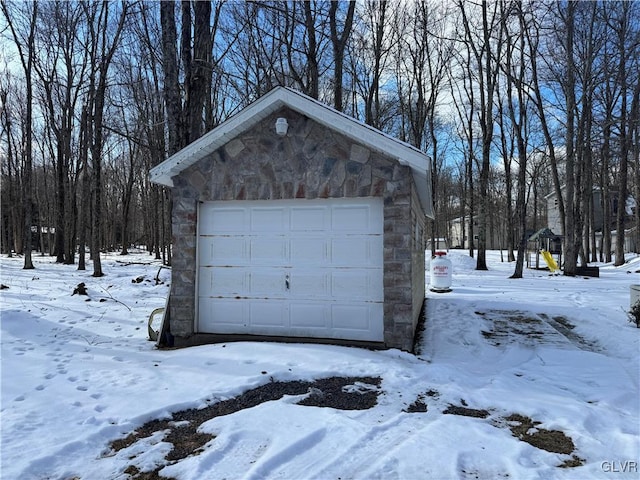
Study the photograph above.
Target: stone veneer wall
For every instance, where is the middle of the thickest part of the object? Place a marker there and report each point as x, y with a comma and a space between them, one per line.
310, 162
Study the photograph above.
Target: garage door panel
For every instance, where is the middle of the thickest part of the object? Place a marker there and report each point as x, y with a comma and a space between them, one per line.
360, 218
305, 284
223, 316
271, 314
309, 251
222, 220
307, 317
356, 284
223, 281
311, 268
309, 219
357, 251
223, 251
358, 322
205, 282
268, 283
269, 219
271, 251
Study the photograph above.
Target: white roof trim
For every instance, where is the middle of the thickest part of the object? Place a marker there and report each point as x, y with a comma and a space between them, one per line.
280, 97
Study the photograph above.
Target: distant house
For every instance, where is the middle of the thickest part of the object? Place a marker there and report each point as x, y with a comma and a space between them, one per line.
553, 211
460, 228
439, 244
293, 221
629, 240
554, 222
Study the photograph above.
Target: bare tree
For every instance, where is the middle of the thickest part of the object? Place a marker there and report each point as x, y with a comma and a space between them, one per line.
200, 69
301, 29
26, 51
464, 102
628, 47
567, 15
173, 102
516, 66
147, 97
60, 66
185, 114
424, 53
339, 44
12, 224
374, 43
102, 49
539, 100
587, 52
485, 42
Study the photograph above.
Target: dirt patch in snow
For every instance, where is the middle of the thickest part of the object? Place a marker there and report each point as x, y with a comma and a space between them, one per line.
343, 393
554, 441
420, 404
527, 430
530, 329
466, 412
508, 327
521, 426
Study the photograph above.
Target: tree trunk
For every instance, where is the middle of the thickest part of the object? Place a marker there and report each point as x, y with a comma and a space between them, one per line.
339, 43
625, 145
571, 235
174, 115
201, 70
313, 89
26, 58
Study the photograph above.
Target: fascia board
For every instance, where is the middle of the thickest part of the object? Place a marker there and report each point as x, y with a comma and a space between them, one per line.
211, 141
404, 153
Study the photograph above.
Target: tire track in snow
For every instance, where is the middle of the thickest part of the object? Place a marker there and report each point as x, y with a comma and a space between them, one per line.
371, 452
234, 455
266, 468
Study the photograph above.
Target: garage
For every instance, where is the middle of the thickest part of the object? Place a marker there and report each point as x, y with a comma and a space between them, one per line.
303, 268
294, 222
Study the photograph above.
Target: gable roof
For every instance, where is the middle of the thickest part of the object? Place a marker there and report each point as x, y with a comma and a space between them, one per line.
280, 97
543, 233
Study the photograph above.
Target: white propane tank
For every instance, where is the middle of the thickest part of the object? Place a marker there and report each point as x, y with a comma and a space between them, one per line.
440, 273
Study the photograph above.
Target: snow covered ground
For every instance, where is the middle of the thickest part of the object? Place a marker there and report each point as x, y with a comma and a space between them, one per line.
78, 372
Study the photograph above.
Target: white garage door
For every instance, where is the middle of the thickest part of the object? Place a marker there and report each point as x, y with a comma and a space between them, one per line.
303, 268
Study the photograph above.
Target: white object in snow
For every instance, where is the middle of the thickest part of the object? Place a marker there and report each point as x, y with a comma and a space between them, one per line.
440, 273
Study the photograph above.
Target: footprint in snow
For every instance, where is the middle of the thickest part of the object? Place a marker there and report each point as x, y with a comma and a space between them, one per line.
40, 388
82, 388
21, 350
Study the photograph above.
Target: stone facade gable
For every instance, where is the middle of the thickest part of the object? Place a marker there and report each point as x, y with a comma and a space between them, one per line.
310, 162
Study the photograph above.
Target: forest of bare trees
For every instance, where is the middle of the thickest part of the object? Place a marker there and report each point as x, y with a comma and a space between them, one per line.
512, 100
